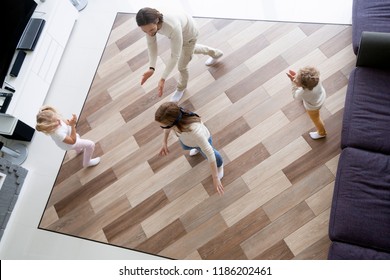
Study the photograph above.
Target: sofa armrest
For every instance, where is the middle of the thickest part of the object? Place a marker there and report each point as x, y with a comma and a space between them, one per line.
374, 50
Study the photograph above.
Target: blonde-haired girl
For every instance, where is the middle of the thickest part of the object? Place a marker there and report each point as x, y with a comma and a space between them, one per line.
64, 134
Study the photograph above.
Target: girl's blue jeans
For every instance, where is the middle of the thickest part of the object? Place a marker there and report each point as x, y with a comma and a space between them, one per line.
217, 154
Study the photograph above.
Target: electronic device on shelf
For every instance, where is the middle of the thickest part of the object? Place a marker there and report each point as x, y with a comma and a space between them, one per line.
5, 99
31, 34
17, 64
17, 14
8, 87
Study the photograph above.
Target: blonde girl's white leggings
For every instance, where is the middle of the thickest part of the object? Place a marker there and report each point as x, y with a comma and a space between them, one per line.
87, 147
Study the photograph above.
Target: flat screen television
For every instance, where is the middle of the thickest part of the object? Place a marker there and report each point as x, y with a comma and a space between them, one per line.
13, 21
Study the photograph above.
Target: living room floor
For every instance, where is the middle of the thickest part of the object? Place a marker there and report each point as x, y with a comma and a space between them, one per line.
22, 239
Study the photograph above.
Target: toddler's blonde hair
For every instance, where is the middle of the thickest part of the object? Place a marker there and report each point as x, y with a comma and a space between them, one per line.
47, 119
308, 77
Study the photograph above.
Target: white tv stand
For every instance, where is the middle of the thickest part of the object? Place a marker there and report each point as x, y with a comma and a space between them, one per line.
33, 81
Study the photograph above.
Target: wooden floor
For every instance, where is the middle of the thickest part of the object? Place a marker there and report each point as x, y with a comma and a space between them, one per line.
278, 182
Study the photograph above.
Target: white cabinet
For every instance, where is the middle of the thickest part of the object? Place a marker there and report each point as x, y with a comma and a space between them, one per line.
39, 67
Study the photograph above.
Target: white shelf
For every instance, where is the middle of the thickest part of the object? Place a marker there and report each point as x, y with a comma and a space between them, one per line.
39, 67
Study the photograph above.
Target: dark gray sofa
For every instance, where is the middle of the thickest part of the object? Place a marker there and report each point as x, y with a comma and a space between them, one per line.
359, 225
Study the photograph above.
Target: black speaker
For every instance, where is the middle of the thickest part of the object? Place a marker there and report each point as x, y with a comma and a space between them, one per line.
5, 100
31, 34
17, 64
22, 132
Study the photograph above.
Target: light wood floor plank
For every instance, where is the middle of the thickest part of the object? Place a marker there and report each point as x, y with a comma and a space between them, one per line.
255, 135
174, 210
311, 42
298, 192
153, 184
221, 246
269, 236
165, 237
255, 198
195, 239
332, 164
279, 251
203, 211
49, 217
236, 110
120, 228
317, 251
297, 127
107, 160
320, 201
246, 35
310, 233
120, 187
270, 166
276, 49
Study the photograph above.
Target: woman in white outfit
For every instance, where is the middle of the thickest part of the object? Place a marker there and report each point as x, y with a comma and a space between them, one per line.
193, 136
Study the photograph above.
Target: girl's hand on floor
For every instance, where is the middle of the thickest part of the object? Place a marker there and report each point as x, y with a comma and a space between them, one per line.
164, 150
218, 186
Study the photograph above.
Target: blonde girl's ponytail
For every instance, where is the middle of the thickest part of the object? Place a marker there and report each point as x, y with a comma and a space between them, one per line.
47, 119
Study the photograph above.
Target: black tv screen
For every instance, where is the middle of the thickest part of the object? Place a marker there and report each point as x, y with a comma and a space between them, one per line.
15, 16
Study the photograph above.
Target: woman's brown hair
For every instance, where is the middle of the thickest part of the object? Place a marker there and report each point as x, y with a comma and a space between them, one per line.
170, 114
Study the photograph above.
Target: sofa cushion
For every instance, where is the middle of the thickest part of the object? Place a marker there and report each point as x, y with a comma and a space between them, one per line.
345, 251
366, 121
374, 50
360, 211
369, 15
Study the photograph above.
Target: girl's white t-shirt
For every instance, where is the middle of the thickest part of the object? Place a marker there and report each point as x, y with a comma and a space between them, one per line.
60, 134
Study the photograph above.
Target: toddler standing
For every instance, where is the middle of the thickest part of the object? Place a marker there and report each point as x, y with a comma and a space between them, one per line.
306, 86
